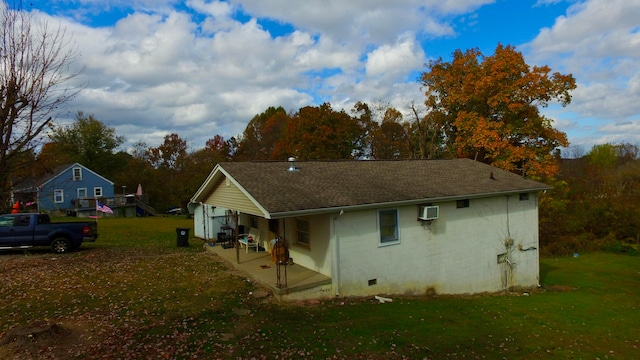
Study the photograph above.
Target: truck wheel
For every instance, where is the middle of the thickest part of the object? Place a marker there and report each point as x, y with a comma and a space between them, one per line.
60, 245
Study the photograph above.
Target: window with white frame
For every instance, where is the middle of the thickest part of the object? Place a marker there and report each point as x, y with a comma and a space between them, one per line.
97, 191
58, 196
82, 193
302, 232
77, 174
388, 226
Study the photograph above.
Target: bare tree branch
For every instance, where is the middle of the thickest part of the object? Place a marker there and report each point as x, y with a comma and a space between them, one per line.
35, 61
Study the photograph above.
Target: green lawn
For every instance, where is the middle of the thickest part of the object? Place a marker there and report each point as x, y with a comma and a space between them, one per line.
135, 295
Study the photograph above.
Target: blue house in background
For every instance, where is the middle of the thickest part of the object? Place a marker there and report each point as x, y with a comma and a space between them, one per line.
70, 189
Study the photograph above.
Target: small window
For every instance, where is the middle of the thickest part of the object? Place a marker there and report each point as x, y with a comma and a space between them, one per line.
302, 232
97, 191
82, 193
524, 196
388, 226
462, 203
58, 196
77, 174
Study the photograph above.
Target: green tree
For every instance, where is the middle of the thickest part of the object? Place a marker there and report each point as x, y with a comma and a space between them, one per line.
89, 142
603, 157
488, 109
51, 156
201, 162
35, 63
594, 202
365, 127
138, 170
606, 172
170, 162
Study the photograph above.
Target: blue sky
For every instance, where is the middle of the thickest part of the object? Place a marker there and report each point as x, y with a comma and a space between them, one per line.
201, 68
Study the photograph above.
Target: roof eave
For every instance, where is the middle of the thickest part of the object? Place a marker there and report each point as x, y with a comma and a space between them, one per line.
336, 209
209, 184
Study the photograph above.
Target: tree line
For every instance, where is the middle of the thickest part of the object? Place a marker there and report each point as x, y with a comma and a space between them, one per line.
594, 203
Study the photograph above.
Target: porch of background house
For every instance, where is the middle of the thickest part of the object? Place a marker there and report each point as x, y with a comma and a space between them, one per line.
259, 267
121, 205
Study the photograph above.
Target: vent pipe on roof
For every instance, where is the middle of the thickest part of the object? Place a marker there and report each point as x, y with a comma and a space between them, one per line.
292, 164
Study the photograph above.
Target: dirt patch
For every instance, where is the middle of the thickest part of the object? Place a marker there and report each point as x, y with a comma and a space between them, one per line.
559, 288
44, 340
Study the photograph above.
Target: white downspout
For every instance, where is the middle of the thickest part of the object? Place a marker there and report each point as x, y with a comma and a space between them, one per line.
538, 238
335, 250
205, 232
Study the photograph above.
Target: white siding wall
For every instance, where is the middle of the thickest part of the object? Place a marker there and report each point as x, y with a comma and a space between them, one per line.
207, 221
317, 256
455, 254
228, 195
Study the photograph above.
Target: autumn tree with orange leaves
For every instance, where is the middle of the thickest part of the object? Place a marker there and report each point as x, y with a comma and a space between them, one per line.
261, 136
390, 140
320, 133
488, 108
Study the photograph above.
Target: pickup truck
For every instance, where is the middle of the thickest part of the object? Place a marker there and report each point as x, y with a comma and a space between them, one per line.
23, 231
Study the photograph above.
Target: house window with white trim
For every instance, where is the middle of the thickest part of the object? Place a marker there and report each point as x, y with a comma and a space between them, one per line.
58, 196
97, 191
388, 226
302, 232
77, 174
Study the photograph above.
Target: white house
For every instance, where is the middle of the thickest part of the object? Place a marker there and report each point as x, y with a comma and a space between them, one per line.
209, 221
408, 227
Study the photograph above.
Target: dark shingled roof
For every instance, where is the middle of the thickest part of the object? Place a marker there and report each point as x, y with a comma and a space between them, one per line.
320, 185
31, 184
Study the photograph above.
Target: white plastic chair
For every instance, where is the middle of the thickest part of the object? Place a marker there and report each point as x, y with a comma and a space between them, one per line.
251, 239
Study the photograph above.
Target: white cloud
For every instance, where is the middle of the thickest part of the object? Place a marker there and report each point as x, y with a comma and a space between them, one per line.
153, 72
599, 43
217, 9
161, 70
396, 60
363, 21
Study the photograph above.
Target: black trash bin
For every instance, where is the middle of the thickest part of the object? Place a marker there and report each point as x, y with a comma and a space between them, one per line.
183, 237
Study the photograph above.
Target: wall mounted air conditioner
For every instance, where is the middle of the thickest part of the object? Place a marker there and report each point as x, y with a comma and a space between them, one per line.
428, 213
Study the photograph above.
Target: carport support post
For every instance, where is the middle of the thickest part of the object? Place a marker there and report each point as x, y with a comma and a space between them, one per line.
237, 244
